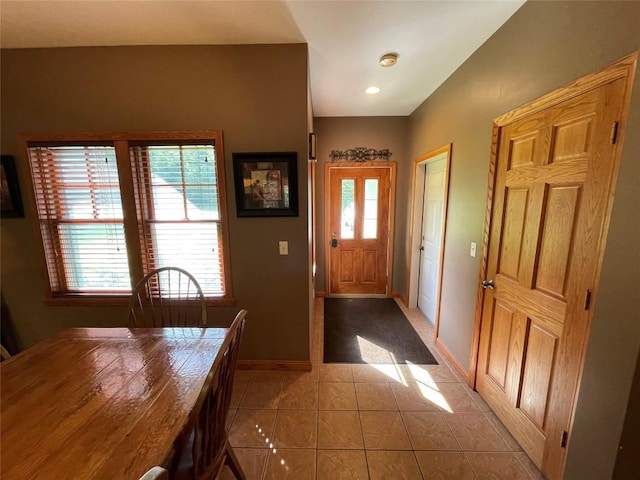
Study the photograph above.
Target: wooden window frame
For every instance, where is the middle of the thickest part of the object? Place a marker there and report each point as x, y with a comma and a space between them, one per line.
133, 222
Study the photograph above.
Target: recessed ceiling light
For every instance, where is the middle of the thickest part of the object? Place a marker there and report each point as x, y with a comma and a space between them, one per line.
372, 90
388, 60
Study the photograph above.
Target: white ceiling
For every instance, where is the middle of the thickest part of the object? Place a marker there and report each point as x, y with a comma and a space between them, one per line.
345, 38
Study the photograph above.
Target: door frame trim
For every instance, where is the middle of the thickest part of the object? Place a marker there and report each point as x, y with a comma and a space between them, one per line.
622, 69
417, 162
327, 217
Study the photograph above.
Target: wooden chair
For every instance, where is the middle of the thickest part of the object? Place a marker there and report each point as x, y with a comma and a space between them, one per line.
156, 473
4, 354
203, 449
167, 297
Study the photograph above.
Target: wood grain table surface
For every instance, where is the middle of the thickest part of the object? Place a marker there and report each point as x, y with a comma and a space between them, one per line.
101, 403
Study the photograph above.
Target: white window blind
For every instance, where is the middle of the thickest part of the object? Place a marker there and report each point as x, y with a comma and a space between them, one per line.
80, 212
178, 205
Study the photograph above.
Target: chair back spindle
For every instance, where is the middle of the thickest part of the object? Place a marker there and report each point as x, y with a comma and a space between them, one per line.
167, 297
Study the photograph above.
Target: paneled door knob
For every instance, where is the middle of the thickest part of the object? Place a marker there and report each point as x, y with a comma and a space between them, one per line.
488, 284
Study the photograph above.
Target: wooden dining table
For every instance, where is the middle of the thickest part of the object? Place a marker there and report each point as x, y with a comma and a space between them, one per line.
101, 403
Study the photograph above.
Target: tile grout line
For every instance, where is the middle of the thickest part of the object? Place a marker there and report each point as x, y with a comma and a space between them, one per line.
475, 473
486, 415
524, 466
413, 448
394, 394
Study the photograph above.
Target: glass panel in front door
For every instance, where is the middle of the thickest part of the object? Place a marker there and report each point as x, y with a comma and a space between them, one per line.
348, 208
370, 229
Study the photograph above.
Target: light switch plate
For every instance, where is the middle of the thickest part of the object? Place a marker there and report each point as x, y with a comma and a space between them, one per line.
473, 249
283, 245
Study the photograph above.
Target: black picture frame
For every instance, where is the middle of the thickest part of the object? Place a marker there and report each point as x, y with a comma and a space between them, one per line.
266, 184
10, 199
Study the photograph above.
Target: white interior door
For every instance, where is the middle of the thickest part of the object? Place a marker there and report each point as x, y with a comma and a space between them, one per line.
431, 246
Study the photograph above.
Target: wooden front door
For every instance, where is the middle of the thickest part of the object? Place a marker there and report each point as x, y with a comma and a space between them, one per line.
358, 227
553, 188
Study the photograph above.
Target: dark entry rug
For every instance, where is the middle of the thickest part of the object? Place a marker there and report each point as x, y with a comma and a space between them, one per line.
370, 330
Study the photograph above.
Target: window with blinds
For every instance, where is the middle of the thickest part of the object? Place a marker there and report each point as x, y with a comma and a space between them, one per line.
177, 199
118, 206
78, 199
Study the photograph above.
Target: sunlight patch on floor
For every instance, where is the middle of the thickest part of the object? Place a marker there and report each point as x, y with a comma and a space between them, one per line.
421, 377
431, 393
369, 351
420, 374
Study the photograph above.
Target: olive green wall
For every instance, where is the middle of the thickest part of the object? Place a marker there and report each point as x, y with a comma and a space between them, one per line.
629, 455
343, 133
257, 95
543, 46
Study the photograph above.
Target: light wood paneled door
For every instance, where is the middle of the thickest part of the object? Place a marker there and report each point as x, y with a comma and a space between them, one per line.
359, 220
553, 184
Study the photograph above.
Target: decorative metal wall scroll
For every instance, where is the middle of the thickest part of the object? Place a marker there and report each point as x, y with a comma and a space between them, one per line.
359, 154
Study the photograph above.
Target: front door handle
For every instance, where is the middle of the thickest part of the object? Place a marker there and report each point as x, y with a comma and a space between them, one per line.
488, 284
334, 243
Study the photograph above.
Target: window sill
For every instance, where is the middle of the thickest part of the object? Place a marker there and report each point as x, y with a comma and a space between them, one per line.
115, 301
87, 300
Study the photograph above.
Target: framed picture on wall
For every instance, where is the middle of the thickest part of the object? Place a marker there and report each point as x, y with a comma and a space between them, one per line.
10, 199
266, 184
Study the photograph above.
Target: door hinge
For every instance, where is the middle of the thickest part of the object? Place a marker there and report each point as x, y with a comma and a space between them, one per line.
614, 132
564, 439
587, 300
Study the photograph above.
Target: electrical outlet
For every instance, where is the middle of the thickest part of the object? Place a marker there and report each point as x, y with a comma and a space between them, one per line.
284, 247
473, 249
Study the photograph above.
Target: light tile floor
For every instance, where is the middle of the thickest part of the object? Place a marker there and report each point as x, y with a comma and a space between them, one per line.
369, 422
